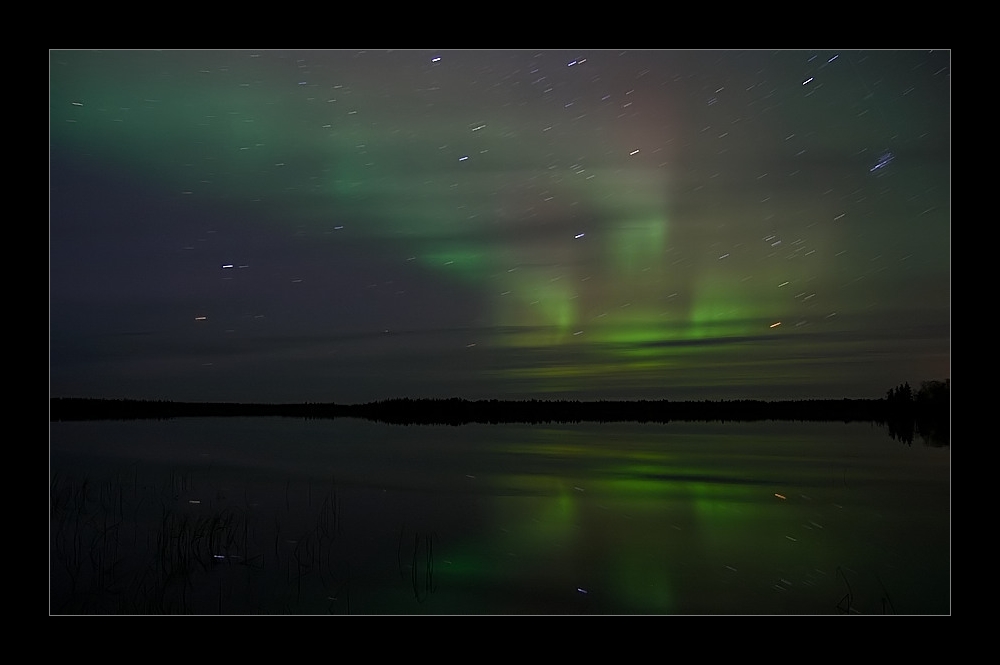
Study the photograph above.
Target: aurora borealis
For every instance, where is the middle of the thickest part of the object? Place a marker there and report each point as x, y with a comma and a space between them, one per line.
334, 225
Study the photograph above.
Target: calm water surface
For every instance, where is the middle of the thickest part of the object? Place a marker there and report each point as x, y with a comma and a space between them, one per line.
284, 516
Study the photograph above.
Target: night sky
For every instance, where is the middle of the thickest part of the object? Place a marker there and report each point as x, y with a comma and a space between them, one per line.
292, 226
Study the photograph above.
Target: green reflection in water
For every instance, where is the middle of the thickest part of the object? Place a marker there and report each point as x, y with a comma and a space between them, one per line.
642, 513
775, 518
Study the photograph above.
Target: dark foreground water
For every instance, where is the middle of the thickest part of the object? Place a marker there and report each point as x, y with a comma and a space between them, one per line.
345, 516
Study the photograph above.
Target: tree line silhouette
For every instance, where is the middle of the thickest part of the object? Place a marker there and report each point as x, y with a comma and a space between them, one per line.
906, 413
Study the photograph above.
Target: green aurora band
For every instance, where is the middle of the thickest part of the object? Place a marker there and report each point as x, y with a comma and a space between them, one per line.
614, 266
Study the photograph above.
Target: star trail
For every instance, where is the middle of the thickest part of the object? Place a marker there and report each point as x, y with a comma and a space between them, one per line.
346, 225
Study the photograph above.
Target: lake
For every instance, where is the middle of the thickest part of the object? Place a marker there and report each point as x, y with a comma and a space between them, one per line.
348, 516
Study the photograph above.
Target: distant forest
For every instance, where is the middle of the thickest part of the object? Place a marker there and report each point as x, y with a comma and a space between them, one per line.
907, 413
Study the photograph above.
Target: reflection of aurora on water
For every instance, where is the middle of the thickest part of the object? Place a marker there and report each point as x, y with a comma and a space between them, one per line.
619, 520
691, 227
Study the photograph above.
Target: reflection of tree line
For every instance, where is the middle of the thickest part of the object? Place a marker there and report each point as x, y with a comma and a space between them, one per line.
925, 413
